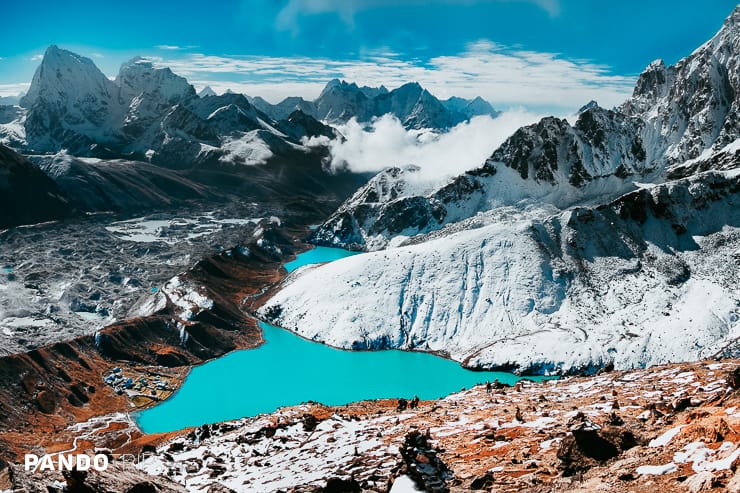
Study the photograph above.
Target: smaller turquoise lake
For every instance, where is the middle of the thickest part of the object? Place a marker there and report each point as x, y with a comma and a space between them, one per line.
318, 255
288, 370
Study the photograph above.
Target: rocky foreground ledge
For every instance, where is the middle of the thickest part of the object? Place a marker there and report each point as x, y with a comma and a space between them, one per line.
668, 428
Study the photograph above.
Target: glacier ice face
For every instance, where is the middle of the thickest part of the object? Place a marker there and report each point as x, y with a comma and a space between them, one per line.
641, 280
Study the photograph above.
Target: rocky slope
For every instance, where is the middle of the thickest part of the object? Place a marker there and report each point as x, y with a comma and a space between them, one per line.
571, 247
669, 428
27, 195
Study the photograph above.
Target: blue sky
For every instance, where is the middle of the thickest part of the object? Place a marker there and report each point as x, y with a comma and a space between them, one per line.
533, 53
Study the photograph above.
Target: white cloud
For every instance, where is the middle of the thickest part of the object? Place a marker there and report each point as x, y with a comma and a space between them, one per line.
14, 89
506, 77
387, 143
175, 47
97, 55
37, 57
288, 16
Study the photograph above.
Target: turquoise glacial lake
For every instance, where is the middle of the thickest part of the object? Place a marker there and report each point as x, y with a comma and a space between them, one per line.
288, 370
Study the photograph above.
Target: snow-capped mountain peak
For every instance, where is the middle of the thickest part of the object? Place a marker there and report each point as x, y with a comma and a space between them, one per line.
206, 91
148, 92
64, 76
70, 100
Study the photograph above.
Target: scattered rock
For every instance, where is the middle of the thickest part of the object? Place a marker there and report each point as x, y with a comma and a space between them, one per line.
700, 481
430, 474
484, 482
589, 444
309, 422
681, 404
46, 402
339, 485
733, 378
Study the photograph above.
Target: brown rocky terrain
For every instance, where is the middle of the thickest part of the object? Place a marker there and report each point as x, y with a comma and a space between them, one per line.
667, 428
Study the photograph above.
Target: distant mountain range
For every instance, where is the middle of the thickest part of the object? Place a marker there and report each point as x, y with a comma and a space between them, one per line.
151, 114
93, 135
145, 113
413, 105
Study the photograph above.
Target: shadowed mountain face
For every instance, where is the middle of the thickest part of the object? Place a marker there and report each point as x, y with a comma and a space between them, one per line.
27, 195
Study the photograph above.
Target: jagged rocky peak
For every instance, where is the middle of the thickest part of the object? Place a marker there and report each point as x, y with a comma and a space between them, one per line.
299, 125
70, 103
139, 77
206, 107
339, 85
148, 92
386, 206
653, 84
373, 92
588, 106
602, 143
413, 105
694, 105
284, 108
674, 114
340, 101
400, 101
389, 184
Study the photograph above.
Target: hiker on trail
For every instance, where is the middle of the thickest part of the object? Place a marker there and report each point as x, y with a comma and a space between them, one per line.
414, 402
489, 387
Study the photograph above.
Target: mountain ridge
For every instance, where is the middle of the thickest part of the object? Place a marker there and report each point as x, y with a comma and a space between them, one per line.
685, 112
413, 105
613, 240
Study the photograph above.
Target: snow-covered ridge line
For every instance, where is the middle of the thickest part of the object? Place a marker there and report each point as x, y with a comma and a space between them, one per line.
145, 113
679, 120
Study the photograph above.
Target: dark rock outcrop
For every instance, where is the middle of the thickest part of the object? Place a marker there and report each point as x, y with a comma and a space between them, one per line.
27, 195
